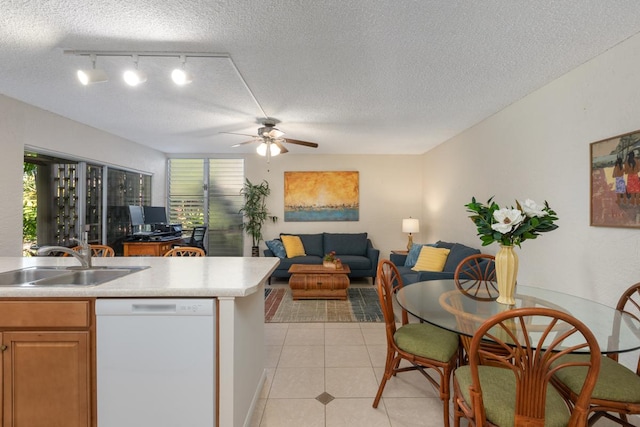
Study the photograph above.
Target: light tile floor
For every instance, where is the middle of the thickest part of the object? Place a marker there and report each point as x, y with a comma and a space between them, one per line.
327, 374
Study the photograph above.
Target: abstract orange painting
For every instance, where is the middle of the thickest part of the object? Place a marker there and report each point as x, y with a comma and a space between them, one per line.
321, 196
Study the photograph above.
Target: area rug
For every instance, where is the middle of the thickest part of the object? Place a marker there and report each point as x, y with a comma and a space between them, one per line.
361, 306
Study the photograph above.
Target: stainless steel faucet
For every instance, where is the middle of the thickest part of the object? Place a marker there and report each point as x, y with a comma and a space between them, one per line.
83, 255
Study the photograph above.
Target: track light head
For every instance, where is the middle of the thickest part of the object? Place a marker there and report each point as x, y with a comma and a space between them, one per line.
181, 77
88, 77
92, 75
134, 77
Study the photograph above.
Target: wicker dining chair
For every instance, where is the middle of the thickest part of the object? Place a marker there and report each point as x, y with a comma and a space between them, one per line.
618, 387
185, 251
423, 345
475, 276
97, 250
494, 390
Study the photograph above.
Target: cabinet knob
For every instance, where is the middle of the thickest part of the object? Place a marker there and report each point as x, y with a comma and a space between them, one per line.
3, 347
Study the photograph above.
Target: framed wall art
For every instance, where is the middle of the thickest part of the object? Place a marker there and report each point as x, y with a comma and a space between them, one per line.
615, 185
321, 196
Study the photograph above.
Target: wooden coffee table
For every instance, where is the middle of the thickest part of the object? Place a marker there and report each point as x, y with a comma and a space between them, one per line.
318, 282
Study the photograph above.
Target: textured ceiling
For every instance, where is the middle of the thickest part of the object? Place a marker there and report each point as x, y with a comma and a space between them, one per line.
357, 76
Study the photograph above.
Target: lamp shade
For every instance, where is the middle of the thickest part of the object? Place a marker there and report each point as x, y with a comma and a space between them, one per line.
410, 225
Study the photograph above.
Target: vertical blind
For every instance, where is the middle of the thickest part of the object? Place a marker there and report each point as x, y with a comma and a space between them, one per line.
207, 192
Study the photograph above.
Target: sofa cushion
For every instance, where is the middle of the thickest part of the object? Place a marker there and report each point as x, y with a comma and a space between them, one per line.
457, 254
276, 247
431, 259
346, 243
313, 243
293, 245
285, 263
413, 254
356, 262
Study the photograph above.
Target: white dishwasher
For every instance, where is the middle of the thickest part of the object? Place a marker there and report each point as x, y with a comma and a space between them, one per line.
156, 362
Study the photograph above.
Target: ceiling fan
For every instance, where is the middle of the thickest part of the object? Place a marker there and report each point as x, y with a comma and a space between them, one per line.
271, 140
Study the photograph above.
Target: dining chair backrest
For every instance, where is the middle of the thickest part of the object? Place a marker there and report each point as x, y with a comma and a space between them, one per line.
185, 251
475, 276
533, 365
98, 250
389, 282
629, 303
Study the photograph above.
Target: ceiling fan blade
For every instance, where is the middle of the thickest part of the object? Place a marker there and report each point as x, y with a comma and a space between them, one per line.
235, 133
243, 143
298, 142
282, 148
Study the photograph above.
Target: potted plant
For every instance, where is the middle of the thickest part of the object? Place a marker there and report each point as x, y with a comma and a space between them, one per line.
255, 212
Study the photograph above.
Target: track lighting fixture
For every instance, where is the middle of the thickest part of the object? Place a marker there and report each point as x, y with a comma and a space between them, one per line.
93, 75
134, 77
180, 76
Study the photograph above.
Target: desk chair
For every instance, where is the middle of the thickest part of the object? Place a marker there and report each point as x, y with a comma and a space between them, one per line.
617, 390
494, 390
196, 240
423, 345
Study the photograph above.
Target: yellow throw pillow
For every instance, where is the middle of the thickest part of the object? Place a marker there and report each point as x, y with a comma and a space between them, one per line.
293, 246
431, 259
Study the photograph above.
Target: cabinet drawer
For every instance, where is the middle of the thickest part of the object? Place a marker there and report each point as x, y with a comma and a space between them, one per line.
45, 314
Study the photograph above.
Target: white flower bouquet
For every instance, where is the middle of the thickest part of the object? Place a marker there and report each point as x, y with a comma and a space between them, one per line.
511, 226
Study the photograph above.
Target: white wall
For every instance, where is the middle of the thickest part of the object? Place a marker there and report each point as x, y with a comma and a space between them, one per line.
24, 125
539, 148
390, 190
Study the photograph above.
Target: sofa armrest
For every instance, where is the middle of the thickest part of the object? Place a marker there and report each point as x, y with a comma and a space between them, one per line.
267, 252
398, 259
373, 254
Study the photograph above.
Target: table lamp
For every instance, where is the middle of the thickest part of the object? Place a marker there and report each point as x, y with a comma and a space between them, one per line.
410, 225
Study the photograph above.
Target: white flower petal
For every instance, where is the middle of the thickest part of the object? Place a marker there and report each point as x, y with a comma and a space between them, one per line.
532, 209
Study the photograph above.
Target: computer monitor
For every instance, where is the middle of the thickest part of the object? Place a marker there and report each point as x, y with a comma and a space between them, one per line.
136, 214
155, 215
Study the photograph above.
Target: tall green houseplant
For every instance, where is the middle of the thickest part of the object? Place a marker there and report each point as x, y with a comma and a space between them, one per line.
255, 211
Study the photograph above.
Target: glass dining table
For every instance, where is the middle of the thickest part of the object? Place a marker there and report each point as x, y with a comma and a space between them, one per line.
441, 303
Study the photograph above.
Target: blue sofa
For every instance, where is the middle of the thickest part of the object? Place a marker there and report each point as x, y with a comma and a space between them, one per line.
457, 254
353, 249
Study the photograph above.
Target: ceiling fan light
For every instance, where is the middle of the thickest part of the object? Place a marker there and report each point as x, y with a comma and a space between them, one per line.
91, 76
181, 77
134, 77
274, 150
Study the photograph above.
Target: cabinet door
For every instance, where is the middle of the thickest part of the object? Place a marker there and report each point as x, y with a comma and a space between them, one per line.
46, 379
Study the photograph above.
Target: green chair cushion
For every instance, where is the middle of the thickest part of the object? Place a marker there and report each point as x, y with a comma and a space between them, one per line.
616, 382
499, 396
423, 339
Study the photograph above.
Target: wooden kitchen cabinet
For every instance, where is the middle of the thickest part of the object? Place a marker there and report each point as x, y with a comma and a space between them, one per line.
47, 369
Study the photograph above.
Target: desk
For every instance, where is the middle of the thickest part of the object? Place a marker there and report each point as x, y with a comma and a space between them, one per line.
149, 248
440, 303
